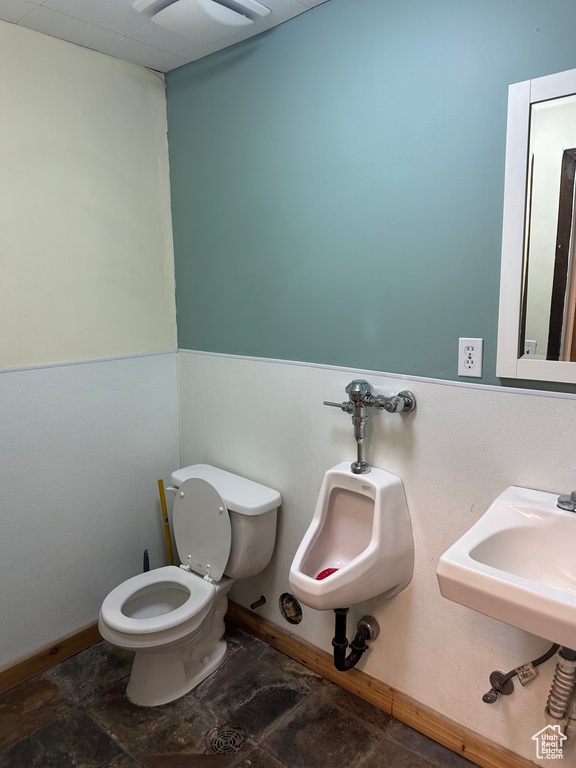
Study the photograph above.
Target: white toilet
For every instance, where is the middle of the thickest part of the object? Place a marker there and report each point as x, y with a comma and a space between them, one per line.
173, 617
359, 543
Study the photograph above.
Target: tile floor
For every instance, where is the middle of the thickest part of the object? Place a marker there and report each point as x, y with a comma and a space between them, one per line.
271, 711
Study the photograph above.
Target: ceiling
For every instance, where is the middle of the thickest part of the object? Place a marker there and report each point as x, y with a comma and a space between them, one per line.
114, 28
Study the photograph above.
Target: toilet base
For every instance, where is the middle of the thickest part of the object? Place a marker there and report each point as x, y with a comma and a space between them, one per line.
161, 677
164, 674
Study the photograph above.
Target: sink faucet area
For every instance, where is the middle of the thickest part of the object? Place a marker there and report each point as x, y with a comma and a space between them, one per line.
517, 563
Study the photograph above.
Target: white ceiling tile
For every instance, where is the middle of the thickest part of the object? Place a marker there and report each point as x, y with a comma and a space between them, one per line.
103, 25
282, 10
159, 37
280, 5
145, 55
154, 34
287, 10
116, 15
14, 10
68, 28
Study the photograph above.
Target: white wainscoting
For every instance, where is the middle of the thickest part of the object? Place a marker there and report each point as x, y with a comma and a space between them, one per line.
82, 448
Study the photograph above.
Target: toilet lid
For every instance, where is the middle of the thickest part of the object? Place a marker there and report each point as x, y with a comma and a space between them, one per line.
202, 528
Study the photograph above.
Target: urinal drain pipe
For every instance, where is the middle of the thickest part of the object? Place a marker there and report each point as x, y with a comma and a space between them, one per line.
367, 629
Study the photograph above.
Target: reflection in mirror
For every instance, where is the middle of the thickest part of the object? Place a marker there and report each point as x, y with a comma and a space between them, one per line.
548, 293
537, 328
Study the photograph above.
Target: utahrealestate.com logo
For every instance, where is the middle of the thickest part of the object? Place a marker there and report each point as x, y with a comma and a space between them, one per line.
549, 743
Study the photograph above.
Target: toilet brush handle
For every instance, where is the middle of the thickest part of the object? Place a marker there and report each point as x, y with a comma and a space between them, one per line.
165, 522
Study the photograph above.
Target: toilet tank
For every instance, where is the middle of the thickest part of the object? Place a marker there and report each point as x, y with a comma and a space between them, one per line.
253, 510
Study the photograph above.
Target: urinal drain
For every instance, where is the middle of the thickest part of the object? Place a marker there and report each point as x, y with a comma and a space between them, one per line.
224, 740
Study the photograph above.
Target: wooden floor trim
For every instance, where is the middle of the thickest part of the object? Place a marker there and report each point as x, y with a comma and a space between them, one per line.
442, 730
42, 660
428, 722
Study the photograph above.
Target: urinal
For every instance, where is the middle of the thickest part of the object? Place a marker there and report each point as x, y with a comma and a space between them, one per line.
359, 543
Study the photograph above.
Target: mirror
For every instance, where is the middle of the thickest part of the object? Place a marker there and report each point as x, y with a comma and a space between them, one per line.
536, 327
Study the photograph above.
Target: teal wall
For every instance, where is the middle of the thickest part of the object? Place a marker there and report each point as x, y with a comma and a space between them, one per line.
337, 182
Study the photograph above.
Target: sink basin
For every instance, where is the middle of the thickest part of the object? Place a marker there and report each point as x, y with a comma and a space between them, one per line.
518, 564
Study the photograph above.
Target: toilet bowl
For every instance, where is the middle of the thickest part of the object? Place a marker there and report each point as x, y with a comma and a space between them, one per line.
173, 617
359, 543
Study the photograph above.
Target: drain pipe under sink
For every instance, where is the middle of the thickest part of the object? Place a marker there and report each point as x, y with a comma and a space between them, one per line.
367, 629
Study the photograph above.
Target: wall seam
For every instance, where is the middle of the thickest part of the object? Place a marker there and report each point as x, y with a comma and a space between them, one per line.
85, 362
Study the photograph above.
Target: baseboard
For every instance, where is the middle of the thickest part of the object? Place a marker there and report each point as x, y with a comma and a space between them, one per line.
428, 722
42, 660
442, 730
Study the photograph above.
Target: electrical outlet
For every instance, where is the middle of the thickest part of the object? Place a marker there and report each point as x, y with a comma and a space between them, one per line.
470, 357
530, 347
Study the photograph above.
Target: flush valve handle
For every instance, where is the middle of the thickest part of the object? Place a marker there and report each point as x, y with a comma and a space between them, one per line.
346, 407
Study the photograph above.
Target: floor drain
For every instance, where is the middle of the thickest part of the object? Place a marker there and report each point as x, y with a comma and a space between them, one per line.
225, 740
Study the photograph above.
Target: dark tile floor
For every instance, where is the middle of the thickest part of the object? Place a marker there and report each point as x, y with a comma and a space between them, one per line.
259, 710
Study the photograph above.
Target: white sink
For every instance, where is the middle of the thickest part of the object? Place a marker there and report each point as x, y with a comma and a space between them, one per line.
518, 564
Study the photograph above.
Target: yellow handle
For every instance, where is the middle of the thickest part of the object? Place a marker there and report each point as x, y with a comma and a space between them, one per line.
166, 522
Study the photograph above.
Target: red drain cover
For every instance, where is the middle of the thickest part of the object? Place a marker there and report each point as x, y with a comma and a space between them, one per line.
325, 573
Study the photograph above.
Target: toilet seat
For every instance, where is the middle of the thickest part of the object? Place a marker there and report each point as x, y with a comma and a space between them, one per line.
165, 598
202, 528
198, 593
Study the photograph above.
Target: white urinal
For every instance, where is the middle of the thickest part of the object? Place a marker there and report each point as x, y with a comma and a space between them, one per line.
359, 543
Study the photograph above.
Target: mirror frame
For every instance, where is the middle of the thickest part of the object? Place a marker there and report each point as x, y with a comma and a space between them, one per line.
521, 96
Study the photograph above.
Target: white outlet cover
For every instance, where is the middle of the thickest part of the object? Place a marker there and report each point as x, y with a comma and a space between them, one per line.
470, 357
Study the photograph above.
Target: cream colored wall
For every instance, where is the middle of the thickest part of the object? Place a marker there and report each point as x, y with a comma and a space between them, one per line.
460, 449
85, 225
86, 272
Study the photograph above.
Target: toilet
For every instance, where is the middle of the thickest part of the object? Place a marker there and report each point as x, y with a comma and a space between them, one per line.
173, 617
359, 543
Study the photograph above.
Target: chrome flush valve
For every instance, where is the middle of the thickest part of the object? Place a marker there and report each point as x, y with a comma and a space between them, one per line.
358, 391
361, 397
